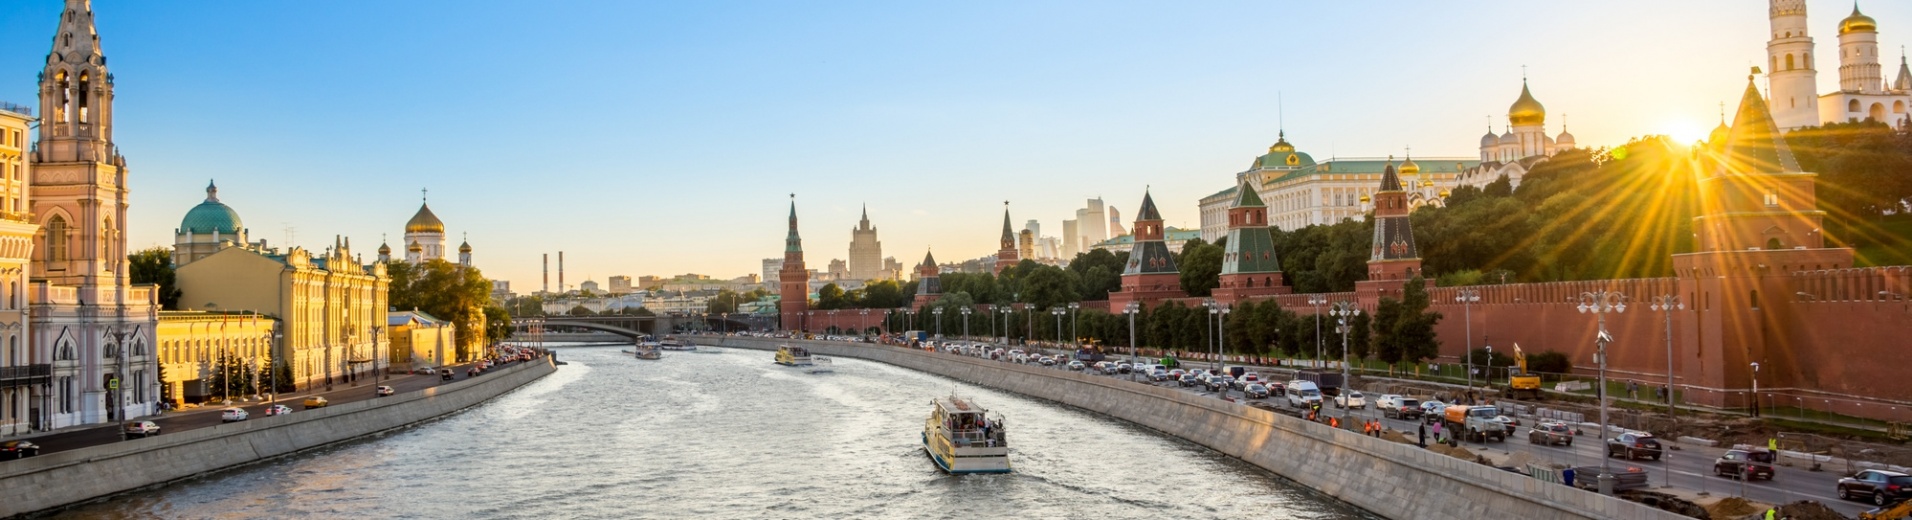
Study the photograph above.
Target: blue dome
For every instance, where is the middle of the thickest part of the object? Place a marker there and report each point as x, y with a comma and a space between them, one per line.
211, 216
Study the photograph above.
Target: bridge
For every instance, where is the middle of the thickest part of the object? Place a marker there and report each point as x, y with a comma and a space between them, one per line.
636, 327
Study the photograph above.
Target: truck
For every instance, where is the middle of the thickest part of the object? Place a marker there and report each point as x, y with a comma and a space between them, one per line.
1474, 423
1522, 384
1329, 382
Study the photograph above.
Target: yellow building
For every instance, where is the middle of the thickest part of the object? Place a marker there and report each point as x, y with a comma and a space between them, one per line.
193, 343
21, 375
421, 340
333, 307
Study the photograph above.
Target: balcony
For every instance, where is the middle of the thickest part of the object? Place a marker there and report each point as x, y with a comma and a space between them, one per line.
26, 375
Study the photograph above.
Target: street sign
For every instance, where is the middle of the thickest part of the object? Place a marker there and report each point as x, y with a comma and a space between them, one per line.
112, 384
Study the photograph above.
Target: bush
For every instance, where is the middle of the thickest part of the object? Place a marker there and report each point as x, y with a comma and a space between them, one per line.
1550, 361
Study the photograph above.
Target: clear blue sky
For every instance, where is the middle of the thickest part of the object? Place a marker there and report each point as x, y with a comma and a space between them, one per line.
664, 137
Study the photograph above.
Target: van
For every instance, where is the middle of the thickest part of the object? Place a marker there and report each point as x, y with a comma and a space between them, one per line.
1302, 394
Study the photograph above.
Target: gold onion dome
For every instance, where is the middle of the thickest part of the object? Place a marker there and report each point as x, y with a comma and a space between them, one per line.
1526, 110
1857, 22
425, 221
464, 247
384, 249
415, 248
1281, 144
1409, 168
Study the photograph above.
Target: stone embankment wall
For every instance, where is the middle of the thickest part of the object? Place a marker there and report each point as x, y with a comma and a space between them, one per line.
67, 477
1387, 478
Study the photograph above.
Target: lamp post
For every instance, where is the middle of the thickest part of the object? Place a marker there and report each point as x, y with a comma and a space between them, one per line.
1075, 335
1487, 376
1207, 330
1004, 310
1058, 311
119, 340
1756, 389
1221, 332
862, 323
1317, 300
1601, 303
939, 320
965, 311
1344, 313
1467, 297
1131, 309
377, 334
1667, 303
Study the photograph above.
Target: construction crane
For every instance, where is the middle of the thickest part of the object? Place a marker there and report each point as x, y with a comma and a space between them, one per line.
1521, 383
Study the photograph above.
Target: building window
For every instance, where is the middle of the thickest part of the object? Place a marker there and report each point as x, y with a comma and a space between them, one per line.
56, 242
1771, 199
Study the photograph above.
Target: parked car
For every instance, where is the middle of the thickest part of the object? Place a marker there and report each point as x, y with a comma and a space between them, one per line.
383, 391
18, 449
1551, 433
1881, 486
1076, 364
317, 401
234, 414
1350, 399
1124, 368
1048, 361
1745, 462
1188, 380
1219, 382
1633, 445
1158, 375
277, 409
1255, 391
142, 428
1176, 374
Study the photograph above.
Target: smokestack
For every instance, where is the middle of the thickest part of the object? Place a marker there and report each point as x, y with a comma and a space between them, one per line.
560, 271
547, 273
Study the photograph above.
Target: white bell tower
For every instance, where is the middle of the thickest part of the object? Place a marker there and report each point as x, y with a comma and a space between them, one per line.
1791, 77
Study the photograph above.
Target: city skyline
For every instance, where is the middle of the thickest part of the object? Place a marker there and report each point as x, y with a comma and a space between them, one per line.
329, 121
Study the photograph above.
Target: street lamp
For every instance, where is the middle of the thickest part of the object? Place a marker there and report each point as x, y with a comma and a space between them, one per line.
1601, 303
1667, 303
377, 335
119, 399
1004, 310
1058, 311
1208, 328
965, 311
1131, 309
862, 323
939, 321
1317, 300
1075, 334
1221, 332
1344, 313
1755, 389
1467, 297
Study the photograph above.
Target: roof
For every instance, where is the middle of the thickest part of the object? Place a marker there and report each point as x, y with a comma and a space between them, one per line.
1754, 145
424, 221
1390, 181
211, 216
1169, 234
399, 318
1148, 211
1372, 166
1248, 198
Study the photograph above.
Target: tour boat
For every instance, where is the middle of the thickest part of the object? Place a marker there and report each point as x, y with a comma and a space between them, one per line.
793, 356
961, 438
649, 352
821, 365
672, 343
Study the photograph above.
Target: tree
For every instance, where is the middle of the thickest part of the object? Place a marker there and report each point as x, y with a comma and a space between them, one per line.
831, 297
1388, 346
1550, 362
1361, 341
451, 292
1048, 286
1098, 272
155, 266
580, 310
1414, 328
1201, 266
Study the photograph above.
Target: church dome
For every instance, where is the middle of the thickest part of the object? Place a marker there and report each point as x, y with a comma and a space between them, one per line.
1409, 167
211, 216
464, 247
1281, 144
1719, 135
1490, 140
384, 249
1526, 110
1857, 22
1565, 139
1508, 138
415, 248
424, 221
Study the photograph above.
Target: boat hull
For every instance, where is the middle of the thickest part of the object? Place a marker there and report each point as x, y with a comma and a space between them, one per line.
963, 461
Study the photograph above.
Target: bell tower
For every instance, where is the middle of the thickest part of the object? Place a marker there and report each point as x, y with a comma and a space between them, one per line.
79, 177
1791, 77
793, 281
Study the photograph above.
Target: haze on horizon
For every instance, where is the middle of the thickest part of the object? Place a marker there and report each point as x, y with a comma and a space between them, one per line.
664, 138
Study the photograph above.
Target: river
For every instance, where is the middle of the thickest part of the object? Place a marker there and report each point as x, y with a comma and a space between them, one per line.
732, 435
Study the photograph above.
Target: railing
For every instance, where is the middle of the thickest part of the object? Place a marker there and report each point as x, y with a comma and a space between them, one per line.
16, 108
26, 375
968, 438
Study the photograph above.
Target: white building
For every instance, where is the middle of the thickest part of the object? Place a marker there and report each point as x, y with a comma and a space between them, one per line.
1301, 192
1792, 73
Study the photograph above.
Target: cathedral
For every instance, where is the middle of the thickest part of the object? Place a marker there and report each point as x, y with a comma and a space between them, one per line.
1792, 73
425, 240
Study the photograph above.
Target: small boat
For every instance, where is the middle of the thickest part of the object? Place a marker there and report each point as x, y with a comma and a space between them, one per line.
793, 356
648, 351
673, 343
961, 438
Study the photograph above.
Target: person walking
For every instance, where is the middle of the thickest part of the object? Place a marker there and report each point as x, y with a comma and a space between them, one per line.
1423, 436
1437, 433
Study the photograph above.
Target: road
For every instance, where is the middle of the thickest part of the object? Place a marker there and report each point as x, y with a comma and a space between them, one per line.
205, 416
1688, 467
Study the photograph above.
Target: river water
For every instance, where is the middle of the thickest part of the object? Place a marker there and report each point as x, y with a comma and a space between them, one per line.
732, 435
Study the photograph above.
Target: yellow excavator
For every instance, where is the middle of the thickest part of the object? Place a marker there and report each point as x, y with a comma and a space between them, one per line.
1521, 383
1897, 511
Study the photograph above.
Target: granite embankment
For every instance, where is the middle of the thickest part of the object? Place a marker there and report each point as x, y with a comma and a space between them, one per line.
67, 477
1389, 479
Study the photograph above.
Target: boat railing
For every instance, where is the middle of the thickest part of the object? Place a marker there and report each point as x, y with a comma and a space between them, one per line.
964, 438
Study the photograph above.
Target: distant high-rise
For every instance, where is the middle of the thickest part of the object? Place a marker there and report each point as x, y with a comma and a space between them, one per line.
1071, 240
1033, 227
866, 253
1115, 223
1092, 224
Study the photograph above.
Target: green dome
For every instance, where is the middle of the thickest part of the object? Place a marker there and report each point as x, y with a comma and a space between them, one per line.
211, 216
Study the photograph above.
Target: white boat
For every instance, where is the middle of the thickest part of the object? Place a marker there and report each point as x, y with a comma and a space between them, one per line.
961, 438
793, 356
821, 365
673, 343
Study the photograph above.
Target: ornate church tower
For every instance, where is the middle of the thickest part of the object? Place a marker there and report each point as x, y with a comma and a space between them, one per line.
427, 233
1249, 265
1151, 274
464, 253
1791, 78
1394, 259
79, 177
1859, 54
793, 280
1006, 257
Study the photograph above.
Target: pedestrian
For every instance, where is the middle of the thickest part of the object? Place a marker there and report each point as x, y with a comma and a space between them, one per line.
1437, 432
1423, 435
1566, 477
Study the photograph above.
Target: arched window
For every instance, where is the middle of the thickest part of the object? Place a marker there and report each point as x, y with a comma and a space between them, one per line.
1773, 243
65, 352
64, 105
1789, 62
1898, 107
1877, 113
56, 242
86, 83
1852, 106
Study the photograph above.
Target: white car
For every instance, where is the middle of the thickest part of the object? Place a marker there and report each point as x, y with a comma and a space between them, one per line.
234, 414
1076, 364
1432, 410
1351, 399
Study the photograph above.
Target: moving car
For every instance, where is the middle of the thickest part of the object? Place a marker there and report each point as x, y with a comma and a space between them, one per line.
1351, 399
1633, 445
1745, 462
425, 370
1076, 364
142, 428
383, 391
1883, 487
1509, 423
234, 414
1402, 408
317, 401
18, 449
1551, 433
1158, 375
1432, 410
1255, 391
1188, 380
1302, 393
277, 409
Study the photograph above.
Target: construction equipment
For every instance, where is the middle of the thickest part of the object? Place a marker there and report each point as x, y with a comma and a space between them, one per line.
1521, 383
1897, 511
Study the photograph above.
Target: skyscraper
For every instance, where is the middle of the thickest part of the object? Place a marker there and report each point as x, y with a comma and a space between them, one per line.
866, 253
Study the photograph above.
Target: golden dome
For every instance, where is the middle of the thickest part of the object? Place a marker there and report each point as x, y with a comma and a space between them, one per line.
1526, 110
1409, 168
415, 247
1857, 22
1281, 144
464, 248
424, 221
